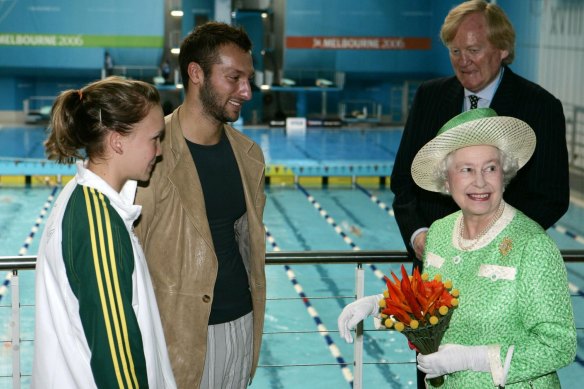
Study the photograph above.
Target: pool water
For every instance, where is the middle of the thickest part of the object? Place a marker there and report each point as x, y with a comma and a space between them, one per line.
291, 338
298, 218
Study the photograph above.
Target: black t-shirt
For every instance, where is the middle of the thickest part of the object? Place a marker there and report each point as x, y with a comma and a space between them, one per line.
224, 203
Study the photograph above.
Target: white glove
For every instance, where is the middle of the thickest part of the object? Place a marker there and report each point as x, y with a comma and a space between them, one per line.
451, 358
356, 312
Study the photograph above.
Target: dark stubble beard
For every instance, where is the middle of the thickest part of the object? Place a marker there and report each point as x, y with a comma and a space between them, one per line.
212, 105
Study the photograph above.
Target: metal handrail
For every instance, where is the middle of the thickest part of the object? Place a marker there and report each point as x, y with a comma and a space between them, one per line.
28, 262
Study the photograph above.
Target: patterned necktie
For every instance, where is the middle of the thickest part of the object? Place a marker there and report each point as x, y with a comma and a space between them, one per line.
474, 101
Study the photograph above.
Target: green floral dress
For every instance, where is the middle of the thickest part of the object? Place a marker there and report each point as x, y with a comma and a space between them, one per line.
513, 292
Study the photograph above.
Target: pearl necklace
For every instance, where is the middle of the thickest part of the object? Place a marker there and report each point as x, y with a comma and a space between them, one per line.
481, 234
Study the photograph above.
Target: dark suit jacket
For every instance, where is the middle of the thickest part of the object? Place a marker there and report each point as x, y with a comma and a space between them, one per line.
540, 189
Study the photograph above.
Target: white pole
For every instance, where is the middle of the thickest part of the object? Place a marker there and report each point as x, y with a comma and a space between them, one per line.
15, 331
358, 347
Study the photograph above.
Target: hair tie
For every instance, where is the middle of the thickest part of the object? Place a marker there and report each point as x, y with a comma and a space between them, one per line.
80, 93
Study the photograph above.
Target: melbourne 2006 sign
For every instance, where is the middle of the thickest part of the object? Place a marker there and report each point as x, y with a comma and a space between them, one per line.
357, 43
63, 40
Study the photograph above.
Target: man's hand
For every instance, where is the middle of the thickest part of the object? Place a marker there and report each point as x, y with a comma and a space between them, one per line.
419, 244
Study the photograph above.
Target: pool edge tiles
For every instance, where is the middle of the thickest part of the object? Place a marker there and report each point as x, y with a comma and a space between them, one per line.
278, 180
34, 180
330, 168
368, 174
318, 181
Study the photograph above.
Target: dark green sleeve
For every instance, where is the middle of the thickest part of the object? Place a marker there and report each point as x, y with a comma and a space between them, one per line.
99, 261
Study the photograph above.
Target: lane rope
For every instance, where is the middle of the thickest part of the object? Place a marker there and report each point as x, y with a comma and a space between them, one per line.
378, 273
24, 249
376, 200
334, 350
563, 230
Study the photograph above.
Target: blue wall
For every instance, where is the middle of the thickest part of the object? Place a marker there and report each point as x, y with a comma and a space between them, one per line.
364, 18
192, 8
370, 74
78, 32
43, 43
401, 18
373, 74
43, 70
526, 18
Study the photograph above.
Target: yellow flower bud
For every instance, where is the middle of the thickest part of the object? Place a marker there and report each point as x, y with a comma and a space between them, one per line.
388, 323
433, 320
385, 294
399, 326
438, 277
454, 302
455, 292
383, 316
448, 284
443, 310
425, 276
414, 324
382, 303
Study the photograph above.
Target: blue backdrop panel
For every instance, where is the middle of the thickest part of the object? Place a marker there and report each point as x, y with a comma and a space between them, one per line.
74, 35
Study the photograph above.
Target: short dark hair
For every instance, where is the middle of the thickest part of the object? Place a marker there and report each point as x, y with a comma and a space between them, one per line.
203, 43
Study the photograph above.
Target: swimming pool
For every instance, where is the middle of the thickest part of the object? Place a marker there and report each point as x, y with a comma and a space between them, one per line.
301, 218
316, 152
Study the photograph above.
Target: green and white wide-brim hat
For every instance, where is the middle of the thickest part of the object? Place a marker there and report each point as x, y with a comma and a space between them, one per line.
475, 127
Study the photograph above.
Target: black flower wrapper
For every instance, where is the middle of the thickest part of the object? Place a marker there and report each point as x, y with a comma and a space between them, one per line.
427, 339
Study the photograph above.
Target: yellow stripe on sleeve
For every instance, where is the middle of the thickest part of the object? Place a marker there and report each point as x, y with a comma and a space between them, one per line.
118, 294
96, 263
110, 292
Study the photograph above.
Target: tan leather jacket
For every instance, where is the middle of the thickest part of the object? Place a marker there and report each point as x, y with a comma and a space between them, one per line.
176, 238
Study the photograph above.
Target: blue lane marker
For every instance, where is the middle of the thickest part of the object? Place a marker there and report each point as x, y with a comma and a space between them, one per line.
571, 234
23, 250
378, 273
336, 353
374, 198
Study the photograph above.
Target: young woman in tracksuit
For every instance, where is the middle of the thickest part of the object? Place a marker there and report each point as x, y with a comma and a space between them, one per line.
97, 322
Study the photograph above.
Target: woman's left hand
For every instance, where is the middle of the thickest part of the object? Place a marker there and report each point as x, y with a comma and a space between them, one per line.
451, 358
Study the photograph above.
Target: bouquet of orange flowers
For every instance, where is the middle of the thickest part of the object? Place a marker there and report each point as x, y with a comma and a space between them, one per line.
419, 308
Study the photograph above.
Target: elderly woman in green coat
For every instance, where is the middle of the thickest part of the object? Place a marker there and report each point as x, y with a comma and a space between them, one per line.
514, 327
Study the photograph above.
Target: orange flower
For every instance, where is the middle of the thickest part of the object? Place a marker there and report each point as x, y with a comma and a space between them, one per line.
416, 298
420, 309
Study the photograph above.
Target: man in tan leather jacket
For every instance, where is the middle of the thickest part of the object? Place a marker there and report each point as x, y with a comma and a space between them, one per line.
201, 225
